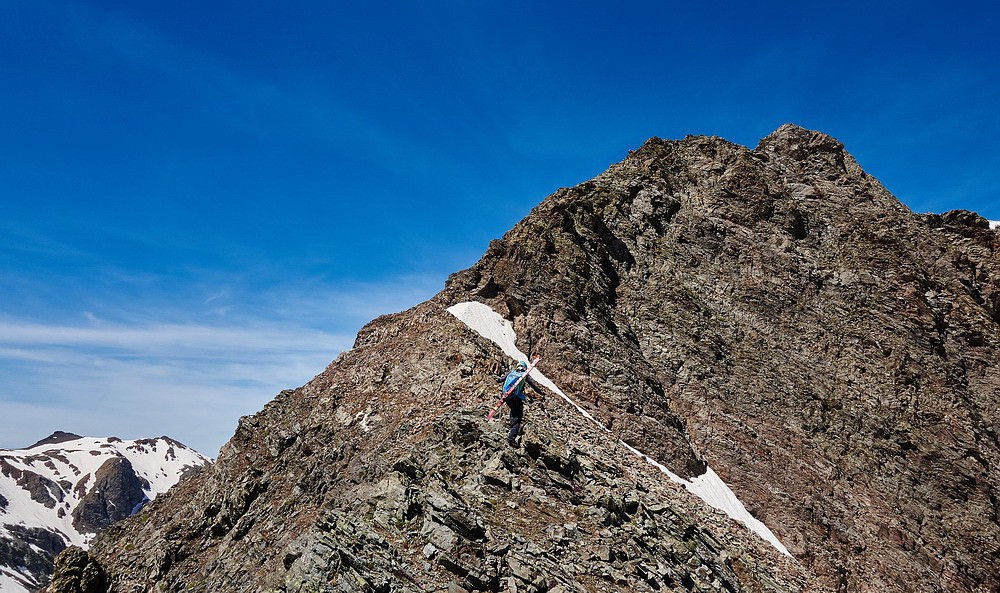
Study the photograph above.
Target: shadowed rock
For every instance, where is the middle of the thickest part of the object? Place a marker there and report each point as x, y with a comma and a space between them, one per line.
117, 493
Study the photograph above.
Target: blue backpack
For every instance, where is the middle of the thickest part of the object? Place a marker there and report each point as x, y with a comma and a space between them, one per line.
512, 378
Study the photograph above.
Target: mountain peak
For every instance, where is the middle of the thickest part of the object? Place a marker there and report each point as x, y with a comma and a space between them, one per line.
768, 332
790, 133
797, 143
56, 438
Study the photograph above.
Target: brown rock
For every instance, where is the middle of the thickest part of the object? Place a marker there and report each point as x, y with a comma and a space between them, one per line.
774, 313
77, 572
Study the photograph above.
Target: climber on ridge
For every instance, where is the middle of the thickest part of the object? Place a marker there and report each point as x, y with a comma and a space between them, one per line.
515, 401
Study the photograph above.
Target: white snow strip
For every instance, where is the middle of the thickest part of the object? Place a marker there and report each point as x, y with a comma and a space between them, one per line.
995, 224
489, 324
709, 487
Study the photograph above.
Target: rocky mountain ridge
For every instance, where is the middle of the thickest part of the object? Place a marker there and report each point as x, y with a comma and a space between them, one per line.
65, 489
773, 314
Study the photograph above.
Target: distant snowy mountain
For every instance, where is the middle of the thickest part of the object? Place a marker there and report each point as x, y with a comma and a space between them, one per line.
66, 488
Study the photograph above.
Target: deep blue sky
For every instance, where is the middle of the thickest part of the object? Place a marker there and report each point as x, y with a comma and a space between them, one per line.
203, 201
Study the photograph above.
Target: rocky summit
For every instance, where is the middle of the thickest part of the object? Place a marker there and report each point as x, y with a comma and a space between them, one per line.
763, 334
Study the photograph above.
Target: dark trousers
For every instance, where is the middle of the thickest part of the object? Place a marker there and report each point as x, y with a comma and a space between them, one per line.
516, 405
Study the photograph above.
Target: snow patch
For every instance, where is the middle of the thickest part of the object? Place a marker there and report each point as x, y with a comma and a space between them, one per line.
709, 487
367, 418
10, 584
995, 224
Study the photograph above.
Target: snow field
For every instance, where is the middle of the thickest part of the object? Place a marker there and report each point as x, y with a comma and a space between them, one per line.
158, 461
9, 584
709, 487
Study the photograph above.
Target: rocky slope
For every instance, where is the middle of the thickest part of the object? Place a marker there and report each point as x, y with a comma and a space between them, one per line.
772, 314
66, 488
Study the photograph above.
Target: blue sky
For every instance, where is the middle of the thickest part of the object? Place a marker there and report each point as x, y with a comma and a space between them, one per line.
202, 202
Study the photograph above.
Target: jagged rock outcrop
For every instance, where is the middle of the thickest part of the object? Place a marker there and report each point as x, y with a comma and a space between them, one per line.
78, 573
117, 492
772, 313
27, 554
555, 517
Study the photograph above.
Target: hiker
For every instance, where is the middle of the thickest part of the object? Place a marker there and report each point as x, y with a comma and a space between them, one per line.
516, 399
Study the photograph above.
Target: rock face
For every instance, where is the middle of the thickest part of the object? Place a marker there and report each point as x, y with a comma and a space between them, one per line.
65, 488
78, 573
774, 314
117, 493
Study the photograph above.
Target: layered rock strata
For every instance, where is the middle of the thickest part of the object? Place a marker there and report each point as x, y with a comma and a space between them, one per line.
775, 314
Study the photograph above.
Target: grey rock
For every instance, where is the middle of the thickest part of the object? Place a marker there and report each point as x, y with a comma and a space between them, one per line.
116, 493
77, 572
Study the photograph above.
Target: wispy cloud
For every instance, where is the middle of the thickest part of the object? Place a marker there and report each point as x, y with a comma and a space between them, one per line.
155, 338
188, 381
146, 373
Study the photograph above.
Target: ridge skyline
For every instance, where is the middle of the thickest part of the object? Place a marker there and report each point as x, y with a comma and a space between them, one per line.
166, 343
